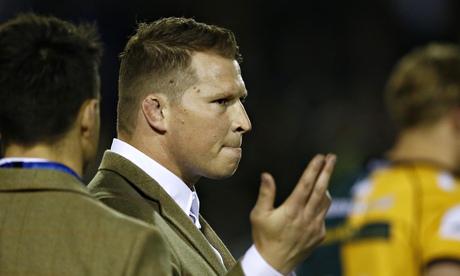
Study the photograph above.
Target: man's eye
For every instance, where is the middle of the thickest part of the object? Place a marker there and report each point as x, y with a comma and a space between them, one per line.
222, 101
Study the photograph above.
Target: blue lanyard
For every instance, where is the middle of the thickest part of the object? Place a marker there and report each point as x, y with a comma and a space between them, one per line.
40, 165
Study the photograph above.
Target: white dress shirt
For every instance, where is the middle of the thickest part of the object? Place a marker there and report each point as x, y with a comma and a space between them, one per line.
252, 263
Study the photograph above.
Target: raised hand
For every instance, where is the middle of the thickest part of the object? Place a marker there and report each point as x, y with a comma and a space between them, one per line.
286, 236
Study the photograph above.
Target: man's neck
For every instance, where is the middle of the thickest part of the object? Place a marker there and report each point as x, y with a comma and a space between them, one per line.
49, 152
435, 144
154, 149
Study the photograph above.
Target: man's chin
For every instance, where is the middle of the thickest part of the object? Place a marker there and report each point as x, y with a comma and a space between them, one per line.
223, 173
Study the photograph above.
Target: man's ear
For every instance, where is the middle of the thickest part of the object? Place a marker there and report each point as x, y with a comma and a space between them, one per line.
89, 127
152, 108
89, 118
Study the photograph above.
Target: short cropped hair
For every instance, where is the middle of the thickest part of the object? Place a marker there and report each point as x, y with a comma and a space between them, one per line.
157, 60
425, 85
48, 68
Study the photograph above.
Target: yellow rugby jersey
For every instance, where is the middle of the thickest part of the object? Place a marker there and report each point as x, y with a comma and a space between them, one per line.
404, 217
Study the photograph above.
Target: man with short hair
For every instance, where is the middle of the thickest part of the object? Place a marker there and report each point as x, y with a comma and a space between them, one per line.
49, 124
181, 117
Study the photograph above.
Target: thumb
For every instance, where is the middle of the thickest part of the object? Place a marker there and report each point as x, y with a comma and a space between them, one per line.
267, 191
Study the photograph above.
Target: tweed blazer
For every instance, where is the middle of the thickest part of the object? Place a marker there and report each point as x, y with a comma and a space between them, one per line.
125, 187
51, 225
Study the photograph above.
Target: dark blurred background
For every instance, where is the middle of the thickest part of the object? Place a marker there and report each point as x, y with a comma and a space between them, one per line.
314, 69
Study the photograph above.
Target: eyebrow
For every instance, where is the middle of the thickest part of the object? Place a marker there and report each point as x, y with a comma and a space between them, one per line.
226, 94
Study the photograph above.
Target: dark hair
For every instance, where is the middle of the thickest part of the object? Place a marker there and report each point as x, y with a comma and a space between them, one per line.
424, 85
157, 60
48, 69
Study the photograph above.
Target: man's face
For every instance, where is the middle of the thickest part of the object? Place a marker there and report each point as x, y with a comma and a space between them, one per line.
205, 129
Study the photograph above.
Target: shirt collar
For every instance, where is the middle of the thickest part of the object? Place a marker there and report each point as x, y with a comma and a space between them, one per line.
173, 185
21, 159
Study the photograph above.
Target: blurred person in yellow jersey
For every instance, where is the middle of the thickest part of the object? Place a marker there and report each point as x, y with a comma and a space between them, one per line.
405, 218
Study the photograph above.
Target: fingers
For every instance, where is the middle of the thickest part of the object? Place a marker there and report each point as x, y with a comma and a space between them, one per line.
331, 159
299, 196
321, 209
309, 196
267, 191
320, 199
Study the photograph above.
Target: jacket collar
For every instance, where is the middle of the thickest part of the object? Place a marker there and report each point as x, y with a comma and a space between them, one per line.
17, 179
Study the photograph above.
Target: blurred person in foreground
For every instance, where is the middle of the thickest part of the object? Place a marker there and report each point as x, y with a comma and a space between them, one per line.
49, 124
181, 117
405, 216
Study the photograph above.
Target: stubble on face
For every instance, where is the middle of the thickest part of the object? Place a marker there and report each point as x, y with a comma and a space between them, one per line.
204, 141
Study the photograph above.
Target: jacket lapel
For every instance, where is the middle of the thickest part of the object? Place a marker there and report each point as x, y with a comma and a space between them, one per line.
217, 243
170, 211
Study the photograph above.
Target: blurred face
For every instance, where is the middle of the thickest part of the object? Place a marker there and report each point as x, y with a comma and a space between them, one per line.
205, 129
